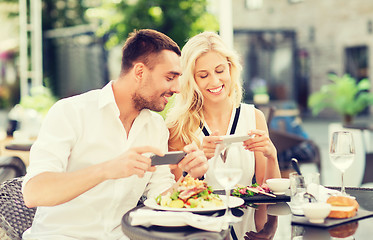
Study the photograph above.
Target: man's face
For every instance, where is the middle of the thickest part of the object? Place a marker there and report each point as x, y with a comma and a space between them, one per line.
159, 83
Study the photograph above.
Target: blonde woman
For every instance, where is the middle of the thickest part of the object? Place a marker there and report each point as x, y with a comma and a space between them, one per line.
209, 106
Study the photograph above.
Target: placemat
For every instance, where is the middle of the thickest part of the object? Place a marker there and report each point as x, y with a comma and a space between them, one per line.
329, 222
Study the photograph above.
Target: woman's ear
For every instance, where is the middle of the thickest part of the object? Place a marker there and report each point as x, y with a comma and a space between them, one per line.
139, 71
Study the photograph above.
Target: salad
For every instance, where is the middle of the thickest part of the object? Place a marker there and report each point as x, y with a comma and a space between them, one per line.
190, 193
249, 191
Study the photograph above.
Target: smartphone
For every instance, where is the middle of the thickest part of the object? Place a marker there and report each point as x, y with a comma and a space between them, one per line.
169, 158
227, 139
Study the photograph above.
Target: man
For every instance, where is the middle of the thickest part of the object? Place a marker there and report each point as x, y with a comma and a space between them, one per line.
90, 162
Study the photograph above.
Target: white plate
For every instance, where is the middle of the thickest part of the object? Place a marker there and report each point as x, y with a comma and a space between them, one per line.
20, 142
233, 202
279, 193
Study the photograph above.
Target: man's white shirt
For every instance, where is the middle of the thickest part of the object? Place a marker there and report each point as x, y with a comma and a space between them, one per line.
81, 131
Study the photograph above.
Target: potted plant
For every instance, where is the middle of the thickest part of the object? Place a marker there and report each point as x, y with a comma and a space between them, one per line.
31, 110
344, 95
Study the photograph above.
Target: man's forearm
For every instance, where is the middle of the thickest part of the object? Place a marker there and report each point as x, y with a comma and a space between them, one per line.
51, 188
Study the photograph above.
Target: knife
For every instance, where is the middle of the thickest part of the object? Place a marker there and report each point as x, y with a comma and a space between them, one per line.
254, 190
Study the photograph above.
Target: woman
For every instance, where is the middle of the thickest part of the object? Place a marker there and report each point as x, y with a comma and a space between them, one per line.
208, 103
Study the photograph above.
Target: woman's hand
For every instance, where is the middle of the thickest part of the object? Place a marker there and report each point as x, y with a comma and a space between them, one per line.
209, 144
260, 143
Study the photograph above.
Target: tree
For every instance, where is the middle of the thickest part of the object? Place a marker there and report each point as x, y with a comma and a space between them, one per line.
179, 19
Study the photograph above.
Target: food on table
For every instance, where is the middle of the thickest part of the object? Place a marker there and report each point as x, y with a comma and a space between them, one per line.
344, 230
249, 191
342, 207
190, 193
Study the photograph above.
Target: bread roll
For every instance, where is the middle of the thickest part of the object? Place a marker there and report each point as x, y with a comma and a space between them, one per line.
342, 207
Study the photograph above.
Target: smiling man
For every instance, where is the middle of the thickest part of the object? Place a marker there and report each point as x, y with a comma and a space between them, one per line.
87, 166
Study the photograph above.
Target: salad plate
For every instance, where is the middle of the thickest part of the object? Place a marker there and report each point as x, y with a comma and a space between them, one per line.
233, 202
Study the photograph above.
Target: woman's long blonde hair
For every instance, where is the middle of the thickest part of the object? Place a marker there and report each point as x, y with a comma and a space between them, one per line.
186, 115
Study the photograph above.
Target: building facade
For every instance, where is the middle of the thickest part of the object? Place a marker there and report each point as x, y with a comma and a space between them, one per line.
294, 44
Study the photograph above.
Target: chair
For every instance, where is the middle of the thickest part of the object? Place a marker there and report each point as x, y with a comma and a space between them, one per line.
11, 167
368, 176
269, 112
286, 142
15, 217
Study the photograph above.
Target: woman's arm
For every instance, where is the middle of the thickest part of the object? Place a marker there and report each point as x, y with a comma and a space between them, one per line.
269, 155
266, 164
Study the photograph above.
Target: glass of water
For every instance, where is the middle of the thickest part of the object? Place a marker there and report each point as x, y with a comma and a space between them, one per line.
228, 171
342, 152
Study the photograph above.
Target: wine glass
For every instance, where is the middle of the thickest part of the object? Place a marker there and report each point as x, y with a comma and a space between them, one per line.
228, 171
342, 152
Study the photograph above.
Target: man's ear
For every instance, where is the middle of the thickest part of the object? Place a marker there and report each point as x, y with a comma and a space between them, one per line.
139, 71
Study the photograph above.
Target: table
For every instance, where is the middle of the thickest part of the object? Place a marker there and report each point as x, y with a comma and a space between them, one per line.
21, 153
272, 220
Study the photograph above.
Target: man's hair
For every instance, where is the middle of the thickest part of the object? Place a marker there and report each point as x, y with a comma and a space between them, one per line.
141, 44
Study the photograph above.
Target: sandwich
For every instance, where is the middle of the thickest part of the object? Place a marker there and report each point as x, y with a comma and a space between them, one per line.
342, 207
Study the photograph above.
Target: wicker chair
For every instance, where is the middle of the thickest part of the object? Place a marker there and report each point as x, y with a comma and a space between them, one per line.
11, 167
15, 217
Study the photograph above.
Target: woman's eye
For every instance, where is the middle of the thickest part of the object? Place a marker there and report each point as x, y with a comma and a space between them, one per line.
219, 70
203, 76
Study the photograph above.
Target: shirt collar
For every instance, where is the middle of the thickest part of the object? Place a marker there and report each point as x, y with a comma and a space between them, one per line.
106, 95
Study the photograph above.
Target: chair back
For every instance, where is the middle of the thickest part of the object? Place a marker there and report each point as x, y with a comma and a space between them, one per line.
11, 167
15, 217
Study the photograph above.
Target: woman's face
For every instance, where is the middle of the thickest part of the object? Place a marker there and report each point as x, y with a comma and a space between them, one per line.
212, 76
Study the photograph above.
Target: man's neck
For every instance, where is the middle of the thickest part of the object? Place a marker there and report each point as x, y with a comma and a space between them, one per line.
123, 99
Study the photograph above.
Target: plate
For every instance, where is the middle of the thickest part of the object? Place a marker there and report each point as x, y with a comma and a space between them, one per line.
329, 222
260, 198
233, 202
279, 193
22, 142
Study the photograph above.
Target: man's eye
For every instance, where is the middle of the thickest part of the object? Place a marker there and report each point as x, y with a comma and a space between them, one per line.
171, 78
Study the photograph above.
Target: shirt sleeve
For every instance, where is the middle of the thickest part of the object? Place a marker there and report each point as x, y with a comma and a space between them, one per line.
51, 150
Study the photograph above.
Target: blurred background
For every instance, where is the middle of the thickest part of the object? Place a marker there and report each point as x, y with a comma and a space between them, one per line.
291, 50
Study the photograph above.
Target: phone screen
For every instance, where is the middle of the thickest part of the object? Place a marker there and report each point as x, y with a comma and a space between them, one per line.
169, 158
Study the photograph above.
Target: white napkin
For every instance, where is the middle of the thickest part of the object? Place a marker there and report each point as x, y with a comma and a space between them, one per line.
147, 217
324, 193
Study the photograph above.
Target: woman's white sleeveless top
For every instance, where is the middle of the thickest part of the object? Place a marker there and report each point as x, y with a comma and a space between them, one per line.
246, 121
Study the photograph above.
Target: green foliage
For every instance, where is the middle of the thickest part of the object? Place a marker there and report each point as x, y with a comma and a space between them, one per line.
61, 13
58, 13
41, 99
344, 95
169, 105
179, 19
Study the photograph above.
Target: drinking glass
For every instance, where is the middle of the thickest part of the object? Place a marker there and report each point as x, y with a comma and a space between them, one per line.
228, 171
342, 152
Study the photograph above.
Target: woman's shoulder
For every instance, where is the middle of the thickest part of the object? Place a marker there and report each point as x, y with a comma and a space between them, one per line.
248, 108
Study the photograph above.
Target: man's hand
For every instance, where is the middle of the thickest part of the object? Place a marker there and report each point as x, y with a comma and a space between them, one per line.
195, 162
132, 162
